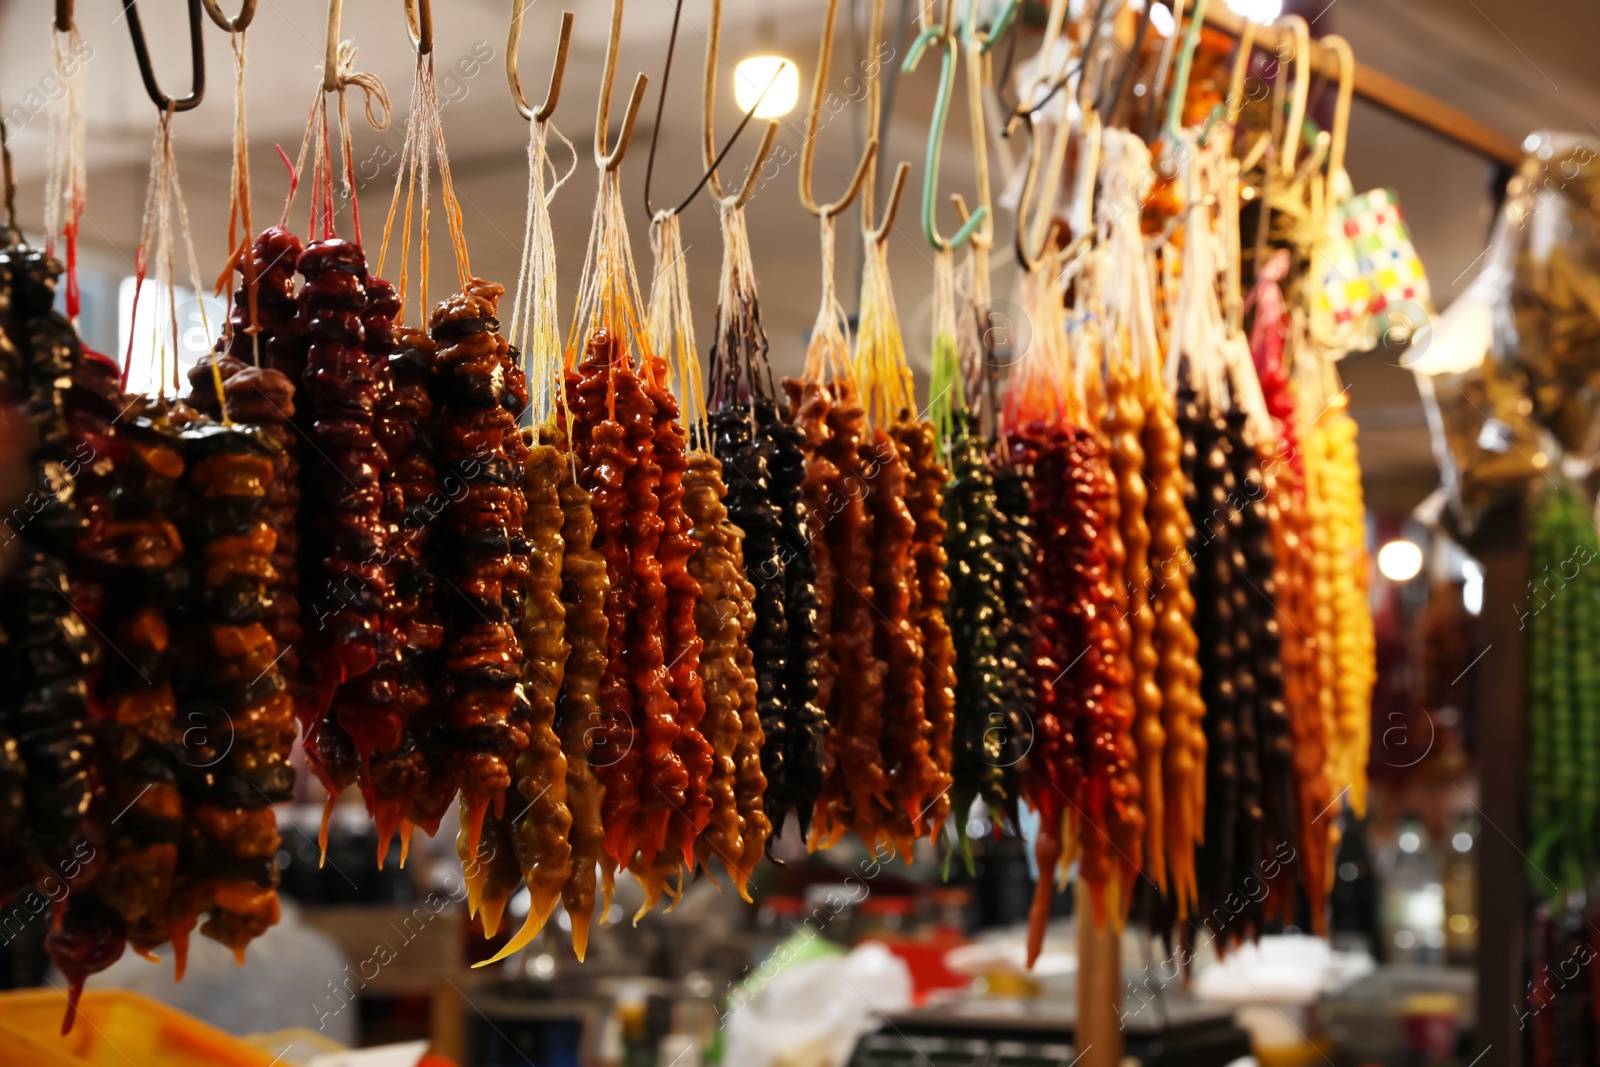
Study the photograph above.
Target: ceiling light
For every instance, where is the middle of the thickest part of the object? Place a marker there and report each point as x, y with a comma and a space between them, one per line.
1400, 561
753, 75
1161, 19
1257, 10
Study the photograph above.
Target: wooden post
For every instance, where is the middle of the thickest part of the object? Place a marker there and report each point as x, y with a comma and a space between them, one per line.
1099, 1030
1501, 846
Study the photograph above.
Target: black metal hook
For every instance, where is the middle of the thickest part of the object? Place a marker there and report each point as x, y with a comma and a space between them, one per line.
197, 59
655, 133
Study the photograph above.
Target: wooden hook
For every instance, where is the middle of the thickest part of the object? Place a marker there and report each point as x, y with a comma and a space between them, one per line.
819, 84
610, 161
708, 126
238, 24
330, 58
420, 25
1341, 108
1025, 258
880, 233
197, 60
64, 16
552, 95
1302, 91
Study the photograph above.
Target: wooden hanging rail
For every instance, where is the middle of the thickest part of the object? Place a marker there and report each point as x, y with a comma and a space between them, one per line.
1388, 93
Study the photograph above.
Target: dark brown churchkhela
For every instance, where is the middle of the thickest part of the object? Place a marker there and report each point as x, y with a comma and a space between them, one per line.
266, 338
343, 533
396, 770
479, 550
1215, 525
763, 459
780, 445
140, 554
48, 656
239, 757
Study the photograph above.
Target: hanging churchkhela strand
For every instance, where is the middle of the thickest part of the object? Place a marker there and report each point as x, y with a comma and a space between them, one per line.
51, 659
1131, 357
756, 451
630, 451
1111, 818
826, 406
670, 336
975, 603
544, 830
914, 779
737, 826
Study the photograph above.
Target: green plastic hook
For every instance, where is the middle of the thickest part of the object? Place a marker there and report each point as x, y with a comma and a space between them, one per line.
1180, 78
941, 113
995, 32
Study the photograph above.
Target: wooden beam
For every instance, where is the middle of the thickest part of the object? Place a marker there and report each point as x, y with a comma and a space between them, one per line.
1388, 93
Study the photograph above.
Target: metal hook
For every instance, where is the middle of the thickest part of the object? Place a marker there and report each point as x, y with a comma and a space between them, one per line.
64, 16
420, 27
711, 166
247, 14
880, 233
808, 148
941, 114
1025, 259
708, 135
197, 59
552, 94
610, 161
330, 59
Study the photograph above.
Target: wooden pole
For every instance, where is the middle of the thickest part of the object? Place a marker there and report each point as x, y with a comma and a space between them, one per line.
1501, 846
1099, 1030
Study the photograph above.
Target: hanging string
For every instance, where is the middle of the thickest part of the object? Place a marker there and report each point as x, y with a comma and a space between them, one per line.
671, 324
886, 380
423, 131
534, 329
164, 205
66, 176
947, 399
373, 95
317, 142
608, 296
828, 355
741, 350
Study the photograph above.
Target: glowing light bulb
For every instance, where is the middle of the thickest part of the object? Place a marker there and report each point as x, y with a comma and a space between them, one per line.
1257, 10
752, 76
1400, 561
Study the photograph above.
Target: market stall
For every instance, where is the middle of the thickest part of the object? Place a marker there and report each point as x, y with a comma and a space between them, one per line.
510, 599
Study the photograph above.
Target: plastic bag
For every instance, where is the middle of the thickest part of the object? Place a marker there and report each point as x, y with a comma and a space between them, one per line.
1483, 363
810, 1012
